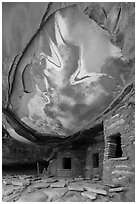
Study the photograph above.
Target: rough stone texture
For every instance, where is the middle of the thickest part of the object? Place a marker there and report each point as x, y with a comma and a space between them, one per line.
12, 198
7, 182
81, 158
38, 196
73, 196
55, 193
90, 171
41, 191
7, 192
102, 199
14, 152
90, 195
121, 170
78, 179
51, 180
58, 185
75, 187
38, 185
118, 173
92, 184
95, 190
66, 180
77, 163
61, 193
25, 177
119, 189
21, 182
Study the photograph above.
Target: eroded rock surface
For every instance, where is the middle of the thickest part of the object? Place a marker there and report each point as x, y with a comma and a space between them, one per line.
72, 68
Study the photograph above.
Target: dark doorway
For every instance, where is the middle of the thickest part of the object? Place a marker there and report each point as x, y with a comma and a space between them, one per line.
66, 163
42, 166
96, 160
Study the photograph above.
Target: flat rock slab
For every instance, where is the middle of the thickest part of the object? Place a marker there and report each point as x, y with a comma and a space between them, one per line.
12, 197
50, 180
73, 196
20, 182
95, 190
10, 189
123, 167
75, 187
61, 192
95, 179
25, 177
36, 179
103, 199
58, 185
63, 180
119, 189
6, 192
39, 185
54, 193
70, 180
38, 196
7, 182
89, 195
78, 179
93, 185
112, 185
122, 172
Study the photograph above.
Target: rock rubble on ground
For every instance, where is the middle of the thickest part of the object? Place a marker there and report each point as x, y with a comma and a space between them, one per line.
44, 188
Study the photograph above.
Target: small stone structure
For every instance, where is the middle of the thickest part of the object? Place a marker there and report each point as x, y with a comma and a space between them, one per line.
84, 161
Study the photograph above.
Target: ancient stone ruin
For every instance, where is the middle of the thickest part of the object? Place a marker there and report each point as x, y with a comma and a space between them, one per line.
68, 102
107, 155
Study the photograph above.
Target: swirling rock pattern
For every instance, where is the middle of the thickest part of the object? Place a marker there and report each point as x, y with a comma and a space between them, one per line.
60, 78
67, 73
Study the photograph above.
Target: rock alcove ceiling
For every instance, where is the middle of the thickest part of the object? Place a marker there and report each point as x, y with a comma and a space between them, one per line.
67, 70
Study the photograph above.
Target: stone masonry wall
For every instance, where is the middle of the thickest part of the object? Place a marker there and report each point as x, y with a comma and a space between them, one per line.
77, 163
121, 170
81, 161
90, 171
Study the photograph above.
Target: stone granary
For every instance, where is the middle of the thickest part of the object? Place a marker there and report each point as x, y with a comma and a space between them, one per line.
110, 154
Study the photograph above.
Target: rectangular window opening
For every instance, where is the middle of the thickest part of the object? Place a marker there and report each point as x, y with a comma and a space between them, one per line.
66, 163
115, 150
96, 160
